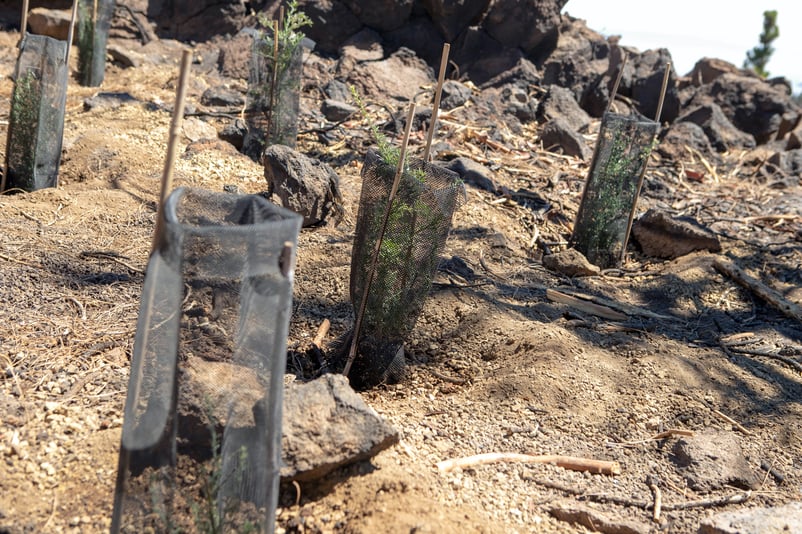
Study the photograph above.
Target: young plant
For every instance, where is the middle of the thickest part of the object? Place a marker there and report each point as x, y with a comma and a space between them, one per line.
418, 220
275, 81
23, 127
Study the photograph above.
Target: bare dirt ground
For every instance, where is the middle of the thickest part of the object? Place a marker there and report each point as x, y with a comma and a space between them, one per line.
495, 366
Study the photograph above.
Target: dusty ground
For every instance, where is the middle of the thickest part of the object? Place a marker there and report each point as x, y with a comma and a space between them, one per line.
495, 365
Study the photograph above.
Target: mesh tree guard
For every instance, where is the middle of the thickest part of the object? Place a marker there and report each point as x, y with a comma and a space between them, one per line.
36, 120
94, 21
420, 218
612, 188
273, 103
216, 304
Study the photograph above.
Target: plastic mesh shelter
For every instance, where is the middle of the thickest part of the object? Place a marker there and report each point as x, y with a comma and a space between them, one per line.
201, 438
417, 228
94, 22
272, 118
612, 187
36, 120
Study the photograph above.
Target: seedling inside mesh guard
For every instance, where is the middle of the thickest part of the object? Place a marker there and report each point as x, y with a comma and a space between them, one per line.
36, 118
405, 213
209, 352
275, 81
94, 22
615, 178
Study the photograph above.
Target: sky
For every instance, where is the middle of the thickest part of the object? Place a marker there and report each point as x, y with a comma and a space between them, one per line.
691, 30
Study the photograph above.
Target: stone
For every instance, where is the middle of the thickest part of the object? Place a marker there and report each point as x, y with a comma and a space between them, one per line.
481, 57
337, 111
234, 60
124, 55
105, 101
684, 134
332, 23
337, 90
595, 520
708, 69
54, 23
382, 15
222, 97
195, 129
452, 17
570, 262
400, 76
234, 133
327, 425
558, 133
524, 24
304, 185
560, 102
663, 236
754, 106
711, 460
647, 82
772, 520
196, 20
454, 94
472, 173
723, 135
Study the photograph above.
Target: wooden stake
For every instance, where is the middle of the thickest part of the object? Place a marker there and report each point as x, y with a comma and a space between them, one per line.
617, 82
436, 106
572, 463
271, 114
24, 23
172, 141
94, 14
662, 93
71, 32
375, 258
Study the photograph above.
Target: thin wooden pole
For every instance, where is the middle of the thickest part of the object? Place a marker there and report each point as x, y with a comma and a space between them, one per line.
172, 141
70, 33
94, 14
375, 258
24, 23
436, 107
617, 82
662, 93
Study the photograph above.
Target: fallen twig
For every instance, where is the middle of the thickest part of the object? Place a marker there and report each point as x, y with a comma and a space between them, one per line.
747, 352
729, 268
620, 306
601, 467
586, 306
732, 421
322, 330
657, 506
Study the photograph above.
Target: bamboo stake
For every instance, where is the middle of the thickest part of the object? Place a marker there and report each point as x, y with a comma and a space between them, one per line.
572, 463
71, 32
662, 93
172, 141
645, 163
617, 82
271, 114
436, 106
375, 258
24, 23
